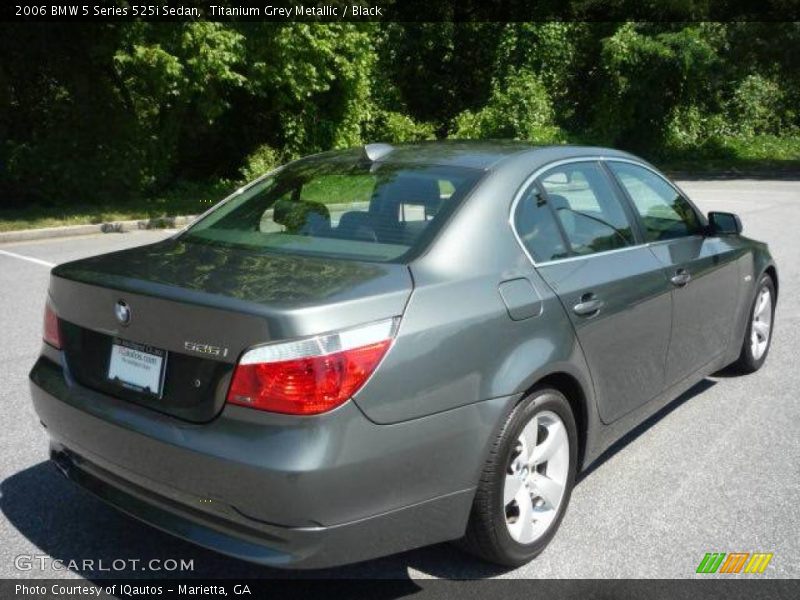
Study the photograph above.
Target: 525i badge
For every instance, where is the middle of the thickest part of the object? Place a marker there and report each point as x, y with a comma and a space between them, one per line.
206, 349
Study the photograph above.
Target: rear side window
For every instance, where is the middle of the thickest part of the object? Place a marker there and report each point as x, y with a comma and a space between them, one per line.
537, 228
664, 212
362, 211
588, 209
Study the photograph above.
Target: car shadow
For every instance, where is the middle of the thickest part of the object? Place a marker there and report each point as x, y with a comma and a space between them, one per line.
68, 524
637, 431
728, 372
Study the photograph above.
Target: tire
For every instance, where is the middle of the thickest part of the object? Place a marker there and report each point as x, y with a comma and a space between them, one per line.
498, 532
753, 353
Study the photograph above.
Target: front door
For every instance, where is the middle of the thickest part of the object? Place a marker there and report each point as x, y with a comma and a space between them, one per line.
702, 270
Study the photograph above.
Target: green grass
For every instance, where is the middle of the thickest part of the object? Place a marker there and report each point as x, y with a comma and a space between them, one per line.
766, 147
185, 198
344, 189
761, 154
339, 189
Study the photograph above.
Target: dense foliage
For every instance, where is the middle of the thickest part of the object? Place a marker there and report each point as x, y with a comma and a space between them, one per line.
100, 113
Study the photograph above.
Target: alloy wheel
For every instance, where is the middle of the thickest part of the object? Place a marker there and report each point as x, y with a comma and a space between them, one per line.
762, 324
536, 477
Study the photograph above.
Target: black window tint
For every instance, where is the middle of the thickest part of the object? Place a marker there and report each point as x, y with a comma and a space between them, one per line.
590, 212
537, 228
665, 213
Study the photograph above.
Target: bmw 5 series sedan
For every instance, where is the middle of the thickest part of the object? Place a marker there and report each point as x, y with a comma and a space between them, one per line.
372, 350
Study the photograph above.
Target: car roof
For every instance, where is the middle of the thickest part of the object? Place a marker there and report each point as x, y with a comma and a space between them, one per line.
475, 154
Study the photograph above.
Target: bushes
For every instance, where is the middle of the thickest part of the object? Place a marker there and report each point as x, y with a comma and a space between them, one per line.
748, 125
116, 111
519, 108
394, 127
310, 83
260, 161
94, 112
551, 50
757, 106
648, 76
173, 83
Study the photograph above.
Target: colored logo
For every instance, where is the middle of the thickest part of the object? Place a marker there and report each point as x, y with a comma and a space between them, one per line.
734, 562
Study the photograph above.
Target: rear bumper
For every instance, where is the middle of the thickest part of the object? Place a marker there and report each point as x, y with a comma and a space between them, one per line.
271, 545
277, 490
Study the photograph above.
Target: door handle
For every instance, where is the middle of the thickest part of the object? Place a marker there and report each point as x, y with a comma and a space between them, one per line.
588, 306
681, 278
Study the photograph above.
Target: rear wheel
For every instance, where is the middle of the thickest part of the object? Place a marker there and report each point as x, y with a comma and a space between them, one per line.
758, 335
526, 483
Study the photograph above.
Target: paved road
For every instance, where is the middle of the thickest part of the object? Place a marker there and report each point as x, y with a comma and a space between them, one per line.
718, 471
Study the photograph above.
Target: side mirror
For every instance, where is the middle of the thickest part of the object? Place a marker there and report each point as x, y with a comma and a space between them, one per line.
723, 223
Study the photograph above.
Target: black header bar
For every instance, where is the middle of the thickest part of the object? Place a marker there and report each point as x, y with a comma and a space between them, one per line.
401, 10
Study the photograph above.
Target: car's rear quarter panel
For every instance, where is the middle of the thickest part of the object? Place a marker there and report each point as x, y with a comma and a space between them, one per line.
457, 344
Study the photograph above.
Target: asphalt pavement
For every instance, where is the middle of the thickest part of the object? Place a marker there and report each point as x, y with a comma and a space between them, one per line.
717, 471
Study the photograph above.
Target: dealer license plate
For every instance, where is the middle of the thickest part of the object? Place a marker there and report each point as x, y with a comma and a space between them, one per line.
137, 367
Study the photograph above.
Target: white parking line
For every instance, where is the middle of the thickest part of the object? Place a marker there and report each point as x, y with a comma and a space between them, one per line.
44, 263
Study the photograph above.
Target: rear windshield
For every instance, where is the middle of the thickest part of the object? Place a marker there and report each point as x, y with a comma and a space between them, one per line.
377, 212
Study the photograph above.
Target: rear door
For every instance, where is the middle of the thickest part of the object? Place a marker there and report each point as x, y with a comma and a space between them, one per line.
612, 287
702, 270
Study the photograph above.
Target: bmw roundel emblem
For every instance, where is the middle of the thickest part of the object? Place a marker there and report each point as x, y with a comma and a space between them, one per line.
123, 312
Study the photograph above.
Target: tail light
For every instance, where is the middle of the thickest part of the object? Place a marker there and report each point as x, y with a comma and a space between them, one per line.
52, 335
311, 375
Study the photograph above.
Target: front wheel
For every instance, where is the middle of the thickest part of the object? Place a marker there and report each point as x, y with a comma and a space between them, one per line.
758, 334
526, 483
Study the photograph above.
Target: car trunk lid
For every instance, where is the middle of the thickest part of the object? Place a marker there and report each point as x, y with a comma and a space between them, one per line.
203, 306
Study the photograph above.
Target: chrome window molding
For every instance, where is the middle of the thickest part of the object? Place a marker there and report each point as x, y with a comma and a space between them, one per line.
566, 161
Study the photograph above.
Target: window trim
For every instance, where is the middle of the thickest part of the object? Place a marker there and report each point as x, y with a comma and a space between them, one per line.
627, 210
531, 180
